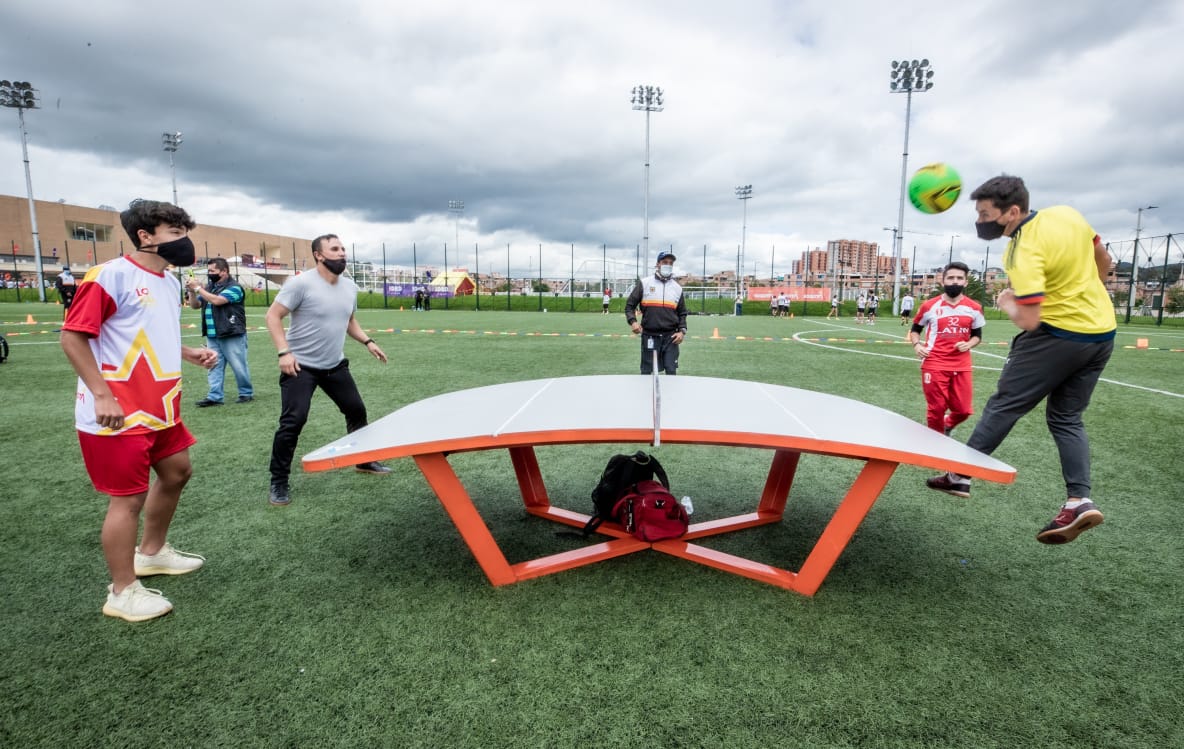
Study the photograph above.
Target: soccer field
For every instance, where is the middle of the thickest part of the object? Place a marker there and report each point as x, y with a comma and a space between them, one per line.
357, 617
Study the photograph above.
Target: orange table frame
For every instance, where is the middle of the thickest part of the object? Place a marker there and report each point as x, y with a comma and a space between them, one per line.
846, 519
522, 416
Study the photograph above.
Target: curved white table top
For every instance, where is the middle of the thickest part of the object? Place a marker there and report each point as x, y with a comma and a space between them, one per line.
619, 408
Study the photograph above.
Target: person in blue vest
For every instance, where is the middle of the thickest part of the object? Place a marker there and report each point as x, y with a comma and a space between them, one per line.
224, 324
663, 323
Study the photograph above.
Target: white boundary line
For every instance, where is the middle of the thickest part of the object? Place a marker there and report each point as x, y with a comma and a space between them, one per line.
797, 337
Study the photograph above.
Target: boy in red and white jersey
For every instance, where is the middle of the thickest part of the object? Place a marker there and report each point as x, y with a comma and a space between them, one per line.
122, 336
952, 324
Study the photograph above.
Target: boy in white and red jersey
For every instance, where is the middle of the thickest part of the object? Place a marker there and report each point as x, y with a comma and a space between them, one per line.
122, 336
952, 324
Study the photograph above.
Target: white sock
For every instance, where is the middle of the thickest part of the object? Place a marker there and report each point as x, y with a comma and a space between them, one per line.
1074, 504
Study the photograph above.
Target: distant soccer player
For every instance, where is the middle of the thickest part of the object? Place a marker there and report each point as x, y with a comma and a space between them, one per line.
952, 324
1055, 263
906, 308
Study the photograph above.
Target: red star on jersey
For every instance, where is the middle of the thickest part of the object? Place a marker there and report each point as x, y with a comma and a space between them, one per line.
150, 397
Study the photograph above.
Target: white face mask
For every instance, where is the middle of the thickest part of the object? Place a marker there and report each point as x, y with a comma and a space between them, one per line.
665, 271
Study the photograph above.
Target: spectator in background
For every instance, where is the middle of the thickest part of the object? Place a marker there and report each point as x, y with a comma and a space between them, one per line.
906, 308
224, 324
66, 286
663, 323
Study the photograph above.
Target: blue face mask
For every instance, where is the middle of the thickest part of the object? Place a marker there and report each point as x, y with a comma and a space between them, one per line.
665, 271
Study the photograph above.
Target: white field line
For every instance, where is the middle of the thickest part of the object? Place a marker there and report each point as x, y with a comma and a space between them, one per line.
797, 337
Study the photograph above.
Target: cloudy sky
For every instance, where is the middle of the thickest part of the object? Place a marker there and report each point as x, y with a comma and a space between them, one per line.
366, 117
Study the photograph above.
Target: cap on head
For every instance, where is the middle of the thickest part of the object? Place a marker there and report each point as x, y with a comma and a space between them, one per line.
663, 255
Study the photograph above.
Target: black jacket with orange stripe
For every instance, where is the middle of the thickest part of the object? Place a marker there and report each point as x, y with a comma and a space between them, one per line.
663, 309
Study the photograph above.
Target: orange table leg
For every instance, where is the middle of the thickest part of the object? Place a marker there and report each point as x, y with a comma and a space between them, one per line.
530, 478
460, 508
781, 473
849, 514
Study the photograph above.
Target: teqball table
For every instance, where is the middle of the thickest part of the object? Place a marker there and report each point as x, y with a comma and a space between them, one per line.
519, 416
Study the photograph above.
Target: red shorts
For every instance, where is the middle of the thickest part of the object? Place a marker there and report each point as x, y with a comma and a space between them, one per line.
947, 391
118, 464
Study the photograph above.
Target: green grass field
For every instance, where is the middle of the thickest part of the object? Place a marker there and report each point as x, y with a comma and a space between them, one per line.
357, 617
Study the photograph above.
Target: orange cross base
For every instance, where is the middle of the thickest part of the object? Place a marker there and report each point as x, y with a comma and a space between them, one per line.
770, 508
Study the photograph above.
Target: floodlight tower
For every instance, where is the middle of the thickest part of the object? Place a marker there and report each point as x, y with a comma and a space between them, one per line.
906, 78
456, 208
647, 99
743, 194
20, 95
171, 142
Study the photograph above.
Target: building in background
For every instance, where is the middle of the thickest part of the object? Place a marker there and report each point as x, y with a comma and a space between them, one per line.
85, 236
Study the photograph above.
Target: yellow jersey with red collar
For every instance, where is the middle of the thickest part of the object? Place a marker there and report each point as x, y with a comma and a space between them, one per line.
1050, 260
132, 316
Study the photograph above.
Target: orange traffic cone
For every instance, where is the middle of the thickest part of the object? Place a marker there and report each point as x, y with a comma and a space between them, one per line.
715, 333
29, 320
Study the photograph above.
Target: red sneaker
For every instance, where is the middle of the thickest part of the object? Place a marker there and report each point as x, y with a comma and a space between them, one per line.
1069, 524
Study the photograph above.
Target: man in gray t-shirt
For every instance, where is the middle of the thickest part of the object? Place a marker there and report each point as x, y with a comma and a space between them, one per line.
312, 354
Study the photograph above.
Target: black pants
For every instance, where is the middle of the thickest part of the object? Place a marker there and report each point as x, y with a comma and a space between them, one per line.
667, 353
1042, 365
296, 397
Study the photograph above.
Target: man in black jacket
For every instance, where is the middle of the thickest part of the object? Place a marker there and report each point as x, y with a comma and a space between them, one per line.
224, 324
663, 316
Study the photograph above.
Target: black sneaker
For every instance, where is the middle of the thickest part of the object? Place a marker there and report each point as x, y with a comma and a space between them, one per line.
371, 467
1069, 524
943, 483
947, 431
245, 399
206, 403
278, 495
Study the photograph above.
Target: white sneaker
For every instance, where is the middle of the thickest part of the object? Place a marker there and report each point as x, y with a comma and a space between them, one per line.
167, 561
135, 603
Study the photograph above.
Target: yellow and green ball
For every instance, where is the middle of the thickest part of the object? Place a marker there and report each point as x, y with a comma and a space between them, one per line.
935, 188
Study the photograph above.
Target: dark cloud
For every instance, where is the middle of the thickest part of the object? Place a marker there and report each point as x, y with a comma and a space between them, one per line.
385, 113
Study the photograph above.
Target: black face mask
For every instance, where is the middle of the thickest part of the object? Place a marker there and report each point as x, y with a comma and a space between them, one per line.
988, 230
179, 252
336, 267
215, 278
953, 290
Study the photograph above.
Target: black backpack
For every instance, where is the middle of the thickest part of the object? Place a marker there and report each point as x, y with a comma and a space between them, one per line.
622, 474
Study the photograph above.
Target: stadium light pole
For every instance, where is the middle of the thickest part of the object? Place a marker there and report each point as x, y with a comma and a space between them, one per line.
1135, 261
20, 95
743, 194
906, 77
647, 99
456, 208
171, 142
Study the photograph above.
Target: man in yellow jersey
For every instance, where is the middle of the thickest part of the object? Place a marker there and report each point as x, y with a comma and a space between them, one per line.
1055, 263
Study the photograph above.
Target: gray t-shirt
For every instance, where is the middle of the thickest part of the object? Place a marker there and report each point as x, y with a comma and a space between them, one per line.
320, 316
